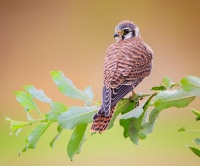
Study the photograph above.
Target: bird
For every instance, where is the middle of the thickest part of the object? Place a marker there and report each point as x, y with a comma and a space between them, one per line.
127, 62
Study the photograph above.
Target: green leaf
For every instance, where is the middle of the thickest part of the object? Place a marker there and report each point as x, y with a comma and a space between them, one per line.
18, 131
56, 109
181, 129
38, 94
136, 112
29, 117
26, 101
148, 122
195, 151
148, 127
138, 128
166, 81
36, 133
67, 87
131, 129
174, 98
191, 84
125, 103
142, 135
32, 139
197, 141
121, 107
56, 137
88, 92
196, 113
14, 125
131, 126
76, 115
76, 140
159, 88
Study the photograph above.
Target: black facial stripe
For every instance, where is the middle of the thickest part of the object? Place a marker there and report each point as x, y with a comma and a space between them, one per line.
133, 33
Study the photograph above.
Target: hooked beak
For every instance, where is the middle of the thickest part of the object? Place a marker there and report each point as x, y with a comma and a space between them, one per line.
116, 35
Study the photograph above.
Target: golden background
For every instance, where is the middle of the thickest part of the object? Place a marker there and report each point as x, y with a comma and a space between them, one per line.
38, 36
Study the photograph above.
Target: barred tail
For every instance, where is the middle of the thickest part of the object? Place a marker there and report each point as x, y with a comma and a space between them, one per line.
101, 122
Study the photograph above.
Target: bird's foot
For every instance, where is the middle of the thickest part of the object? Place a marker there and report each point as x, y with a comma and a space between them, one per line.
134, 99
140, 96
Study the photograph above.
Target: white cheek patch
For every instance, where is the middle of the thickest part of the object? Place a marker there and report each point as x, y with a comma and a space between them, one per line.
118, 38
129, 35
136, 32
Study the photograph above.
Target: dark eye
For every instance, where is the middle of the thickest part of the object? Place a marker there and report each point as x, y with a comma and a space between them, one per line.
126, 31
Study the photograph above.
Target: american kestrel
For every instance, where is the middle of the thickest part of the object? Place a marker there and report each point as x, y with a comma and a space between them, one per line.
126, 64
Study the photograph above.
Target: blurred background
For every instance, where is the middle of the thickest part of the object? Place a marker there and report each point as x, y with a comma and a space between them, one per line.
39, 36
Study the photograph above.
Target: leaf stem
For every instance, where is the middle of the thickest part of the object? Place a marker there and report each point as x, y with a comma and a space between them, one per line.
151, 95
149, 99
39, 112
96, 103
37, 120
143, 95
192, 130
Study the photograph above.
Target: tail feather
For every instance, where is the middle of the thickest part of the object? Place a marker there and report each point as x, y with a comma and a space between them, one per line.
101, 122
110, 98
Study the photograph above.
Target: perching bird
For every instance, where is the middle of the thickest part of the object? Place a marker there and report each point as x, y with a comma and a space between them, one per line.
126, 64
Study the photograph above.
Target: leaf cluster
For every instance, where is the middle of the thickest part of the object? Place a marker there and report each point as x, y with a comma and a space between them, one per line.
75, 118
137, 120
197, 140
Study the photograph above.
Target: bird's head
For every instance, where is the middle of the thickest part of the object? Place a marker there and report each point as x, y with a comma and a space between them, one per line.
125, 30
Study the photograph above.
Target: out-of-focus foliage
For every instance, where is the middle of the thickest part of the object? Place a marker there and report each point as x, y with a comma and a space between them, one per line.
197, 140
137, 120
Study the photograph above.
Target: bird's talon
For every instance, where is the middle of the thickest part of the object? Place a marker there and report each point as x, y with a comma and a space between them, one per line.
131, 99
